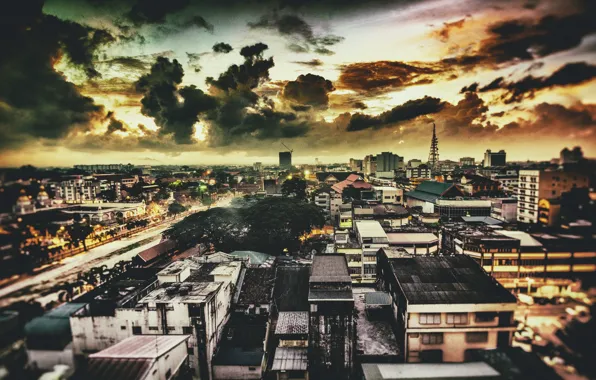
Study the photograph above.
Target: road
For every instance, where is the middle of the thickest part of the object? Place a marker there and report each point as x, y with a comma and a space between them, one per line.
37, 286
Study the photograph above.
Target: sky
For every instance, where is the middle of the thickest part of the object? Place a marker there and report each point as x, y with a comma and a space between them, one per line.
227, 82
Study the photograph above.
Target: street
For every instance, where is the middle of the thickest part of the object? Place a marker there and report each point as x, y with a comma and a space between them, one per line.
36, 286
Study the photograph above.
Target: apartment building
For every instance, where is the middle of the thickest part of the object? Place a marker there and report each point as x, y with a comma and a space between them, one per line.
389, 194
504, 209
535, 185
371, 237
187, 298
78, 189
445, 307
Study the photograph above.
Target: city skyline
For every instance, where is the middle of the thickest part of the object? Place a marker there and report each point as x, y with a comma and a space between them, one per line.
227, 83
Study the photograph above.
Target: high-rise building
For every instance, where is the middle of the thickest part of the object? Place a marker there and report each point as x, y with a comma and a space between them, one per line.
571, 156
257, 166
285, 159
369, 164
433, 155
355, 165
495, 158
537, 185
387, 161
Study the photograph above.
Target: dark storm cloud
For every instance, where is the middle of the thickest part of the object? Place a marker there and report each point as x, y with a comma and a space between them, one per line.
309, 90
526, 39
154, 11
299, 32
35, 101
193, 61
131, 63
161, 100
222, 47
254, 70
199, 22
471, 88
403, 112
114, 124
386, 75
570, 74
312, 63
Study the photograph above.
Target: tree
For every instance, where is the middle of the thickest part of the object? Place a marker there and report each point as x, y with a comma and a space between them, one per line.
275, 224
222, 227
176, 208
78, 232
294, 187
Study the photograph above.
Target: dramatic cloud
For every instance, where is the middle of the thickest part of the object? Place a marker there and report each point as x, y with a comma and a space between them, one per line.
445, 31
194, 61
299, 32
175, 109
309, 90
570, 74
36, 101
222, 47
386, 75
155, 11
312, 63
404, 112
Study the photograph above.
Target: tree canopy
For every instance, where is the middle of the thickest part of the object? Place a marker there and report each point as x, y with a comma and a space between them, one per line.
176, 208
267, 225
294, 187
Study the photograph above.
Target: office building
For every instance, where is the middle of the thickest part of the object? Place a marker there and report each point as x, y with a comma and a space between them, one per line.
258, 166
285, 160
387, 162
494, 158
418, 171
536, 185
504, 209
369, 164
467, 161
445, 307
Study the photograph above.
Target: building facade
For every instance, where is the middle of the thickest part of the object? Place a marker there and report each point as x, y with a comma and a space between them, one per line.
494, 158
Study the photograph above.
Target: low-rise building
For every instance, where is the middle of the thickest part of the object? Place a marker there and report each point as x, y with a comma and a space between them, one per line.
332, 329
371, 237
445, 307
504, 209
415, 243
389, 194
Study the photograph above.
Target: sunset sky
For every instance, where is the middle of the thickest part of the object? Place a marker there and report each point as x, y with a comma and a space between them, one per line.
209, 82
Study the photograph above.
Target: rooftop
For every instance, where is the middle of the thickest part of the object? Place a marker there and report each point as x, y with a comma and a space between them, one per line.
197, 292
142, 347
292, 323
290, 359
156, 251
412, 238
370, 229
374, 333
330, 268
242, 342
481, 219
525, 238
254, 257
290, 292
447, 280
256, 286
438, 371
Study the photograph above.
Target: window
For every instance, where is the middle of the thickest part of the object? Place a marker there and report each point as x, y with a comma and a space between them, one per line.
431, 356
477, 337
122, 327
487, 316
252, 368
313, 308
153, 328
430, 319
171, 328
432, 338
457, 318
136, 330
190, 350
186, 330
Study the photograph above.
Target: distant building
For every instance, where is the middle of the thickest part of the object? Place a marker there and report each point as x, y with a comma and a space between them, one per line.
387, 162
473, 184
355, 165
285, 160
99, 167
418, 171
572, 156
445, 307
414, 163
332, 328
369, 164
509, 180
535, 185
467, 161
495, 158
257, 167
79, 189
389, 194
504, 209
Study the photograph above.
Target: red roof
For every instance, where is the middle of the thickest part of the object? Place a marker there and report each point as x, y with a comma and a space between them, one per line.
157, 250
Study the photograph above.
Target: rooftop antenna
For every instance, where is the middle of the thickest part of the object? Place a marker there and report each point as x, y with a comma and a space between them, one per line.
290, 150
433, 156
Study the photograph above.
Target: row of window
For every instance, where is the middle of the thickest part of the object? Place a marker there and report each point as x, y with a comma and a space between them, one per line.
455, 318
437, 338
138, 330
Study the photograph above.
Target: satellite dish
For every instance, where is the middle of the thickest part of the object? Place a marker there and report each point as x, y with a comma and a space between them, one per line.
313, 251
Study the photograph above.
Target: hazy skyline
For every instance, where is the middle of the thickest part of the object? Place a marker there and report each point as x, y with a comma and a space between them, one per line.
188, 82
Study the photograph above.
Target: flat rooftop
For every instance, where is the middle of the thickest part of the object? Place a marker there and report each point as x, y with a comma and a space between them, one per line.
256, 286
412, 238
370, 229
435, 371
525, 238
198, 292
290, 292
374, 333
447, 280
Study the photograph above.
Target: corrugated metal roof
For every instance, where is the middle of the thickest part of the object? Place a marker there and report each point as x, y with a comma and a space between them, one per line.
377, 298
420, 195
157, 250
290, 359
292, 322
142, 347
118, 369
330, 268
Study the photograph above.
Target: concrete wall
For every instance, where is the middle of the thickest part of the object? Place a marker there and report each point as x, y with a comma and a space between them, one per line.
453, 347
47, 359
